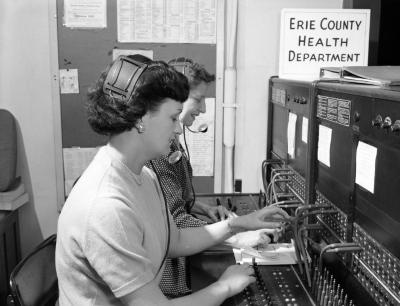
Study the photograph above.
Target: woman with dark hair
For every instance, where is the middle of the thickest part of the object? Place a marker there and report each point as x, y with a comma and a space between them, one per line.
115, 230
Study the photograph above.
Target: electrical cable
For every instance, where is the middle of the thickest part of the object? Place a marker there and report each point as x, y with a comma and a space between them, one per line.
264, 166
299, 211
184, 139
188, 178
264, 170
298, 238
273, 196
338, 247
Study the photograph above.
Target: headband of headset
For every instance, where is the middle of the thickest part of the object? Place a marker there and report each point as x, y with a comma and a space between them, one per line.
181, 67
122, 77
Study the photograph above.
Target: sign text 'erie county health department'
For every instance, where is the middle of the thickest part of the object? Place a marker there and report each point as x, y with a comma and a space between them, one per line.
315, 38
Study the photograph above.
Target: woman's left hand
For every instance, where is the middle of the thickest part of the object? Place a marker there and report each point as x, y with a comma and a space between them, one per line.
219, 212
267, 217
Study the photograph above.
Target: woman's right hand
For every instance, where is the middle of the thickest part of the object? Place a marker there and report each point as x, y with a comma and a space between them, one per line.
237, 277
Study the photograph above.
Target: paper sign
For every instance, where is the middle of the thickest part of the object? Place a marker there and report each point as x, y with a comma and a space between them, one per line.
69, 81
315, 38
291, 134
365, 166
324, 145
201, 145
304, 130
85, 13
172, 21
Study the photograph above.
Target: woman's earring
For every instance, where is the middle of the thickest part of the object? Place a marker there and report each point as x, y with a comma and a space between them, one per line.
140, 128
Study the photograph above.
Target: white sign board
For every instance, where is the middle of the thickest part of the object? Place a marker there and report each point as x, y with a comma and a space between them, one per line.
315, 38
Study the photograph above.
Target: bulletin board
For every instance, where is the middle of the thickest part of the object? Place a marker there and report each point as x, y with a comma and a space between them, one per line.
90, 51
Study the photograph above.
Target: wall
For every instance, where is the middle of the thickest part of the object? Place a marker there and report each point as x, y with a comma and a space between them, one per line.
26, 90
257, 61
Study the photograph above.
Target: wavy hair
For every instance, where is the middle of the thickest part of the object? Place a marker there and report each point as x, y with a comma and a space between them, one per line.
108, 115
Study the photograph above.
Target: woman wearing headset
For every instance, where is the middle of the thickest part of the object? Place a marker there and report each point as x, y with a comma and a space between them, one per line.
175, 174
115, 230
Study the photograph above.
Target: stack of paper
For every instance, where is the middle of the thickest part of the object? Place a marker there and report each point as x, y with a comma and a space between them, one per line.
272, 254
383, 76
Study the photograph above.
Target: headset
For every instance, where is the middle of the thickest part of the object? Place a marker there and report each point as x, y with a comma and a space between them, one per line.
122, 77
202, 128
181, 66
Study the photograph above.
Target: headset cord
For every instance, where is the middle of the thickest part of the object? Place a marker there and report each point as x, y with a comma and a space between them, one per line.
186, 168
167, 214
186, 146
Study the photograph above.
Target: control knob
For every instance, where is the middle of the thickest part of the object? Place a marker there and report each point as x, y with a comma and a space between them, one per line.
387, 123
396, 126
378, 121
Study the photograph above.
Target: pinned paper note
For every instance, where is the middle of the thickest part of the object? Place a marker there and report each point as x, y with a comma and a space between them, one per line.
69, 81
166, 21
304, 130
291, 135
365, 166
324, 145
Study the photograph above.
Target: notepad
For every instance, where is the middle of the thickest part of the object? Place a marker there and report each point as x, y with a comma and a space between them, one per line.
374, 75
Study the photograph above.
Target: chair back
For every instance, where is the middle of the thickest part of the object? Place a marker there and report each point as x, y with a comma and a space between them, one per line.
34, 280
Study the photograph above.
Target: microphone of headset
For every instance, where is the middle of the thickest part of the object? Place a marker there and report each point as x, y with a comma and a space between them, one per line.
202, 128
176, 156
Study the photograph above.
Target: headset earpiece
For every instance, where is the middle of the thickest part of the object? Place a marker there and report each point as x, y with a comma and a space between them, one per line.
122, 77
181, 66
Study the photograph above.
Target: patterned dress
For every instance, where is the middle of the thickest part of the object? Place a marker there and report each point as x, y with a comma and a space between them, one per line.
176, 181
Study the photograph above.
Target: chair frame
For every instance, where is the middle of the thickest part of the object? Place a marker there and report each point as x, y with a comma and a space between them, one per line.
16, 298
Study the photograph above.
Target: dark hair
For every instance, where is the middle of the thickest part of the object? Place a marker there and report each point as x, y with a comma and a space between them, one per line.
194, 72
110, 115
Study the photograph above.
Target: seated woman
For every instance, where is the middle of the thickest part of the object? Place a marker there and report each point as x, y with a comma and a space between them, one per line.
175, 177
115, 230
